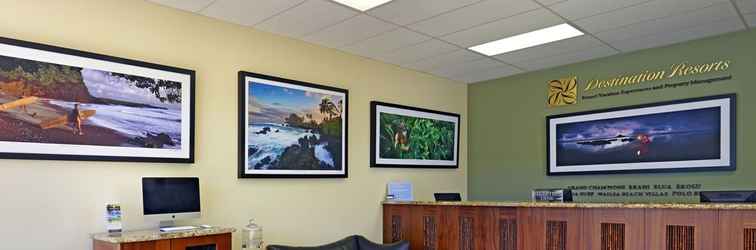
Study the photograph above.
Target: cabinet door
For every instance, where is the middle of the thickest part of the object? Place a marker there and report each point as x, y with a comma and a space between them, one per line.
425, 231
549, 228
469, 228
678, 229
505, 226
737, 230
214, 242
396, 223
148, 245
613, 229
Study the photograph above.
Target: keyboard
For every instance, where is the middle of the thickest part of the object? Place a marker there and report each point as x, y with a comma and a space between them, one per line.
177, 229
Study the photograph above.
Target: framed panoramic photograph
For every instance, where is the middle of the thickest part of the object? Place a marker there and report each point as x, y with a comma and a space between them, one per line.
408, 137
686, 135
291, 129
64, 104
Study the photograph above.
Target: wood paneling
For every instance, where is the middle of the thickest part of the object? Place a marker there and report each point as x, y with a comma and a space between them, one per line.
508, 229
612, 236
148, 245
470, 228
446, 227
222, 242
424, 224
550, 228
749, 239
430, 232
736, 230
396, 223
681, 237
678, 229
556, 235
466, 225
630, 221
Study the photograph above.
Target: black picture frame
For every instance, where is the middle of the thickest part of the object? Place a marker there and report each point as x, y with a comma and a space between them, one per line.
728, 126
377, 162
242, 171
72, 58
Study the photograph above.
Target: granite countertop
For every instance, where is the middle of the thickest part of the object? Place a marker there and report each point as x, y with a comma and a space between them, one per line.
152, 235
710, 206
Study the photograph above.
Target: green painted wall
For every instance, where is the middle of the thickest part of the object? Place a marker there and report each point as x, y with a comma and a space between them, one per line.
507, 117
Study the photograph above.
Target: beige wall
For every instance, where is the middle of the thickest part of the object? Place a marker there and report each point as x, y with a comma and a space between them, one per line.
55, 205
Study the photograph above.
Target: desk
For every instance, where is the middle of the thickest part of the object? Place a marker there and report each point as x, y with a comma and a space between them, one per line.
216, 238
570, 226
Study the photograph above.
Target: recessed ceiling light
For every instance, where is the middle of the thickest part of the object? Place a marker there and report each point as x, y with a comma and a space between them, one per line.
362, 5
527, 40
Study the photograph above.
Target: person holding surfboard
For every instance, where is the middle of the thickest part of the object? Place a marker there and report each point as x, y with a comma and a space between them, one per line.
24, 96
75, 120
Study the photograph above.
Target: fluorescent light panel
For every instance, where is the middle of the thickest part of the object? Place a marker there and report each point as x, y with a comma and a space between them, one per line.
362, 5
527, 40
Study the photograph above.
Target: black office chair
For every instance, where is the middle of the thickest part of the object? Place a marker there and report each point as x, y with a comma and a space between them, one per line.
355, 242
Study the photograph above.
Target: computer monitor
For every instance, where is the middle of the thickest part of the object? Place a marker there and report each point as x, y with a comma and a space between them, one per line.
448, 196
167, 199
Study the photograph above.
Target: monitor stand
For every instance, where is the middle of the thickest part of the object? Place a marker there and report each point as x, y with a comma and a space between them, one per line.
167, 224
170, 226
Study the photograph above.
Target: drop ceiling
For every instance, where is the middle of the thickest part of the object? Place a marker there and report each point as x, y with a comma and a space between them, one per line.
433, 35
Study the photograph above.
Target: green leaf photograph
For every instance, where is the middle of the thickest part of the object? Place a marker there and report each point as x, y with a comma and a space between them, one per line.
413, 137
404, 137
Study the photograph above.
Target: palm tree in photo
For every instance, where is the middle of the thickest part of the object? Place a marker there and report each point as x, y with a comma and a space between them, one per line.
324, 106
341, 107
329, 108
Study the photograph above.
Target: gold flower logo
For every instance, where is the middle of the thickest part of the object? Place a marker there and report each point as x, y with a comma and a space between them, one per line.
562, 92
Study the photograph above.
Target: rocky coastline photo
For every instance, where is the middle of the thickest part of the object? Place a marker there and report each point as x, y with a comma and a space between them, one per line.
293, 129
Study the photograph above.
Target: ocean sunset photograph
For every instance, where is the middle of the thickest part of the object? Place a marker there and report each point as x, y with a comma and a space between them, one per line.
294, 128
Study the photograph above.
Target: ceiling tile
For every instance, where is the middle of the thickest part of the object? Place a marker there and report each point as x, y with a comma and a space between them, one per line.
577, 9
671, 23
568, 58
643, 12
246, 12
667, 38
746, 6
488, 74
473, 15
466, 67
350, 31
418, 52
550, 2
188, 5
551, 49
405, 12
518, 24
456, 57
386, 42
306, 18
751, 19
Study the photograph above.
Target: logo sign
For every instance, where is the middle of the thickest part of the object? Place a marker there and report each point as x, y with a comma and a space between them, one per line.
562, 92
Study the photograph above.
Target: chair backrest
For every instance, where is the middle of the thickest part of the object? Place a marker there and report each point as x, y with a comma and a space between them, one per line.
349, 243
366, 244
354, 242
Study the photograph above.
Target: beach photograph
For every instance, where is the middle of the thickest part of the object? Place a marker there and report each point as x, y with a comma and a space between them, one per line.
47, 103
294, 128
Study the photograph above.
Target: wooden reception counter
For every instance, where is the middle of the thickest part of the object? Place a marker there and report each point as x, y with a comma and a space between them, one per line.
570, 226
